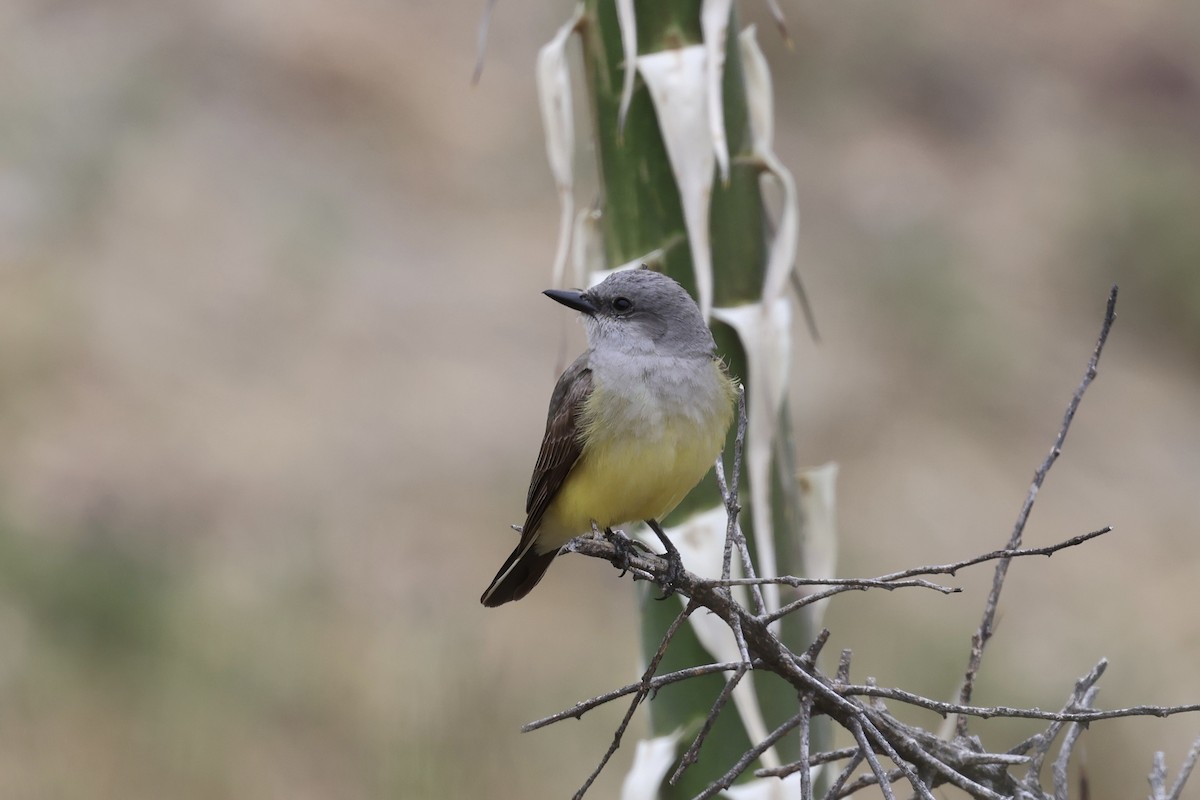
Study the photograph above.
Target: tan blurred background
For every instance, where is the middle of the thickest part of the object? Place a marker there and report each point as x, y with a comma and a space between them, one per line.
274, 364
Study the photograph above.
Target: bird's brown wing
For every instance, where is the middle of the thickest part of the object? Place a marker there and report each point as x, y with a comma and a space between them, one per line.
561, 444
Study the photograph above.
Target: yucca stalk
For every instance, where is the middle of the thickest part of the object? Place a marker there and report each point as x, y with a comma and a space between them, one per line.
643, 216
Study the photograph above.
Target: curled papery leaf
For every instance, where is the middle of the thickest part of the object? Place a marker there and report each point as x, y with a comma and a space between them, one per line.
766, 336
587, 251
558, 120
627, 22
714, 27
701, 543
780, 22
760, 100
818, 505
651, 760
676, 80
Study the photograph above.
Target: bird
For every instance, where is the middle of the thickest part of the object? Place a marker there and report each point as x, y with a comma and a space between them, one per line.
634, 423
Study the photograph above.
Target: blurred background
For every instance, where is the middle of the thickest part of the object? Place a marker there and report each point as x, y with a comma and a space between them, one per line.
274, 366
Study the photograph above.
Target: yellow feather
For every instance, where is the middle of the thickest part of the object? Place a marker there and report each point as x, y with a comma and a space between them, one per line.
640, 459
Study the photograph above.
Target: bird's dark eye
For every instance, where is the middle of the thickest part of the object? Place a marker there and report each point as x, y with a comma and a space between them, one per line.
622, 304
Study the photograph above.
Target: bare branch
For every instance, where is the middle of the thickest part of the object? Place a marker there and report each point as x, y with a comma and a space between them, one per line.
640, 695
806, 704
986, 626
726, 780
923, 759
1006, 554
863, 781
835, 789
990, 712
1068, 745
1186, 770
860, 736
814, 760
729, 493
579, 709
693, 752
1040, 744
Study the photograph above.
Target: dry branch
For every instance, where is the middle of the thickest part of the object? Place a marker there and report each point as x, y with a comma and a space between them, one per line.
917, 757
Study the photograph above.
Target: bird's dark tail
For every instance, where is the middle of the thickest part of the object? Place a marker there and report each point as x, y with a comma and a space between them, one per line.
520, 573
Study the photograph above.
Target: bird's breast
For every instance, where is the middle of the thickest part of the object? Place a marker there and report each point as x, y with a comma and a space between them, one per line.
648, 440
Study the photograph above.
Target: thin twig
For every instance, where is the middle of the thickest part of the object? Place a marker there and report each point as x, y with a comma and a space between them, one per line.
1158, 776
734, 537
1059, 768
914, 751
843, 667
657, 682
989, 712
693, 752
847, 583
1039, 746
852, 585
835, 788
809, 658
868, 752
862, 782
1008, 553
806, 704
1185, 771
986, 626
733, 508
726, 780
814, 760
638, 697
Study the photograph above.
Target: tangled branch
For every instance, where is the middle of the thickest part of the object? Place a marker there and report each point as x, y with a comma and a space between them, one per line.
921, 759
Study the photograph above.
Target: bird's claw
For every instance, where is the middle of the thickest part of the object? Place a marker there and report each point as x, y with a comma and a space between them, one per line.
623, 550
672, 574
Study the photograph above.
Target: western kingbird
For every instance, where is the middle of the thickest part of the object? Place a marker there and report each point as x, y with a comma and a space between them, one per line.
633, 425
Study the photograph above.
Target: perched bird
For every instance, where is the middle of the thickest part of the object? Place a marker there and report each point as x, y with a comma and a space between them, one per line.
633, 425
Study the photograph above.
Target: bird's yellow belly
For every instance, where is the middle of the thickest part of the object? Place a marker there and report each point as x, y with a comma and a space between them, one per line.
628, 478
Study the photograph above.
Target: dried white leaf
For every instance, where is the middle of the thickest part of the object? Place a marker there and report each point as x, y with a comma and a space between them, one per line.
782, 258
765, 334
676, 80
818, 506
587, 251
651, 760
714, 27
627, 22
558, 120
780, 22
760, 99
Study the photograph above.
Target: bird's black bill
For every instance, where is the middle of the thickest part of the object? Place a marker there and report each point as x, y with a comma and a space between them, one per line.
571, 299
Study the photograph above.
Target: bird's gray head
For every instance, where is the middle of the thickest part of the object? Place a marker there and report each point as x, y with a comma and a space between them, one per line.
640, 311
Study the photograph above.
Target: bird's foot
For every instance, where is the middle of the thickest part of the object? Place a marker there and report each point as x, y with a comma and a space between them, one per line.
623, 550
674, 570
672, 574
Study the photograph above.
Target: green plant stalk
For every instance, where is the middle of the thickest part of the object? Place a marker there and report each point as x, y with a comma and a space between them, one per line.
641, 212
